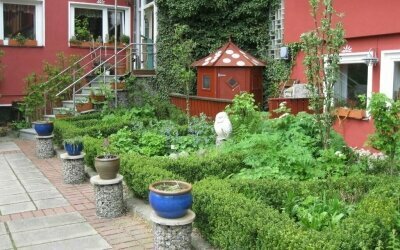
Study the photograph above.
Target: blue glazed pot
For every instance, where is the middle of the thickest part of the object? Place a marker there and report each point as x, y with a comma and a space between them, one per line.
73, 149
44, 128
171, 204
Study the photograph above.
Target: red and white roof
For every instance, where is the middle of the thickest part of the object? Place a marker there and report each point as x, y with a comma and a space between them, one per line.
229, 55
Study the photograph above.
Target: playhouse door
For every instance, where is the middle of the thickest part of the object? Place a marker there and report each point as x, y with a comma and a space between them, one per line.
231, 81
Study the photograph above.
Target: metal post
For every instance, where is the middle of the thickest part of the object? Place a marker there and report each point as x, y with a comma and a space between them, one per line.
73, 89
115, 54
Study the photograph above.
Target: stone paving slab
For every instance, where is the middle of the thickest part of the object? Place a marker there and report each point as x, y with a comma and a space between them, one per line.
12, 190
50, 203
8, 184
12, 199
38, 187
28, 176
44, 222
49, 194
5, 242
88, 242
17, 208
8, 146
45, 235
2, 229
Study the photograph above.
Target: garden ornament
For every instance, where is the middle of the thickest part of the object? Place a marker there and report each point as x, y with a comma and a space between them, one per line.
222, 127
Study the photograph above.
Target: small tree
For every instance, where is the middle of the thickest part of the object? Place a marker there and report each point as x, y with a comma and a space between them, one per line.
321, 47
386, 114
182, 52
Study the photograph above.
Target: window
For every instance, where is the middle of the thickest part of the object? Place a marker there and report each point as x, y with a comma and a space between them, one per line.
21, 17
276, 30
396, 81
206, 82
353, 82
96, 21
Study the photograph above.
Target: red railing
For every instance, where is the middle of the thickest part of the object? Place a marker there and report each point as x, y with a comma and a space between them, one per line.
198, 105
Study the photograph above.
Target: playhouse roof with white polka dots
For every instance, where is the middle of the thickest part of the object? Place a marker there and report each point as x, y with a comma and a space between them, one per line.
229, 55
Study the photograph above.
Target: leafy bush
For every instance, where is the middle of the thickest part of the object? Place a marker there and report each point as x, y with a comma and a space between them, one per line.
152, 144
93, 147
140, 171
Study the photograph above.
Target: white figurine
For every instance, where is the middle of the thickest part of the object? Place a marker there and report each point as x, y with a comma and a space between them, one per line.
222, 127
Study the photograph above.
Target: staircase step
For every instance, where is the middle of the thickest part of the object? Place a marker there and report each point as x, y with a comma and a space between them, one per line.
68, 104
61, 110
49, 117
143, 72
86, 90
27, 134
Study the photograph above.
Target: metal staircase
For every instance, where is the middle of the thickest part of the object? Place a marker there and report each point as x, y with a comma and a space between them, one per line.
105, 68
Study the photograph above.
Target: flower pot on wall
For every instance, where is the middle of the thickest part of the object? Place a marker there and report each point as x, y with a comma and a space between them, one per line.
357, 114
107, 166
120, 85
170, 199
81, 107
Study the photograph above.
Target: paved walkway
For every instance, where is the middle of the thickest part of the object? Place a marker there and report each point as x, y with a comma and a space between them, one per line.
39, 211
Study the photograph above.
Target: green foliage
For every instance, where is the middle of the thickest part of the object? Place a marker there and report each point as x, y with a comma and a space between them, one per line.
386, 114
244, 115
152, 144
82, 32
93, 147
322, 46
123, 141
21, 39
140, 171
74, 141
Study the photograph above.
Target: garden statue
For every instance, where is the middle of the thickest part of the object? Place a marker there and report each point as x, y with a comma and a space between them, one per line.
222, 127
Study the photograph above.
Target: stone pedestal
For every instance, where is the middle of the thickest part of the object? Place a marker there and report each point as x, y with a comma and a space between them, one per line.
108, 196
44, 146
172, 233
73, 168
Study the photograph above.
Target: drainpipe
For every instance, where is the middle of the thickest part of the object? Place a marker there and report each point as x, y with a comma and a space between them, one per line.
115, 54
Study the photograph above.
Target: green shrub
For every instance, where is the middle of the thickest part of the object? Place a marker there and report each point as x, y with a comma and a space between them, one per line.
152, 144
92, 148
140, 171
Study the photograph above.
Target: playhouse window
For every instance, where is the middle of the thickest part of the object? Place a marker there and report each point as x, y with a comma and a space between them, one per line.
19, 19
206, 82
352, 83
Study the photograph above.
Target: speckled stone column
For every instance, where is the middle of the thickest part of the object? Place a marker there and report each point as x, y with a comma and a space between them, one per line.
108, 196
173, 233
73, 168
44, 147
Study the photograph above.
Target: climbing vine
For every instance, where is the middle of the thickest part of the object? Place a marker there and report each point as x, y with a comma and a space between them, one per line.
210, 24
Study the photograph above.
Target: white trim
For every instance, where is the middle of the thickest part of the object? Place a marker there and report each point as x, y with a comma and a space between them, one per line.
388, 58
350, 58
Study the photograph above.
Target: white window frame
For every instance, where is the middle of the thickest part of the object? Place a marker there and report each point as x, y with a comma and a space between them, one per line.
140, 19
39, 17
105, 8
388, 59
358, 57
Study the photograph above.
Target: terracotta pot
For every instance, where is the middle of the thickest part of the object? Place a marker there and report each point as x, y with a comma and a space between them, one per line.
357, 114
98, 98
120, 85
28, 42
107, 168
80, 107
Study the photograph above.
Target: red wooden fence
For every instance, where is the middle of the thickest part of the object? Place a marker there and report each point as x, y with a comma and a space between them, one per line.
198, 105
296, 105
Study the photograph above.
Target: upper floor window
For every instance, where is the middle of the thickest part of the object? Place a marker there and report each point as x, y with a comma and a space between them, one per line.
98, 22
22, 19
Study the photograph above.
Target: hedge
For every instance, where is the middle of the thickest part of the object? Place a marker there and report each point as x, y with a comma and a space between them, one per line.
230, 220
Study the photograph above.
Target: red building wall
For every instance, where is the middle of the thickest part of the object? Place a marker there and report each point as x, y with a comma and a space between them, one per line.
19, 62
368, 25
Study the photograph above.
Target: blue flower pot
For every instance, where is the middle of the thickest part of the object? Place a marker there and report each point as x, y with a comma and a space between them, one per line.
171, 204
73, 149
43, 128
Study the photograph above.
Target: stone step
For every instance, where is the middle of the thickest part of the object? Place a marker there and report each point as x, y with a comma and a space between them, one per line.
27, 134
49, 117
86, 90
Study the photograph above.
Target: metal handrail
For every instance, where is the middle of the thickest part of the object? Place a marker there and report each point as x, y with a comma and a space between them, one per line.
100, 65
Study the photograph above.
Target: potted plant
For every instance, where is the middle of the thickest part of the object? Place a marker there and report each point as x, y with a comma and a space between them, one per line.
43, 128
170, 199
83, 105
107, 164
125, 39
358, 112
64, 113
97, 96
73, 146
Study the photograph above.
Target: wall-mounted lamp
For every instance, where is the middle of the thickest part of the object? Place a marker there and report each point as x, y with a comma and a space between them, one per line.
371, 58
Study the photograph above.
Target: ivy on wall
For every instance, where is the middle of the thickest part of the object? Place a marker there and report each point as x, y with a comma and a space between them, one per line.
210, 25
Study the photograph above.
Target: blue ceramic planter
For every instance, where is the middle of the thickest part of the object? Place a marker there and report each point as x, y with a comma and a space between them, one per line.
43, 128
172, 204
73, 149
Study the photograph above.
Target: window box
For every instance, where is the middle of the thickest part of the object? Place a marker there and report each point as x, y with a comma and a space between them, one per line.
81, 107
351, 113
27, 43
84, 44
